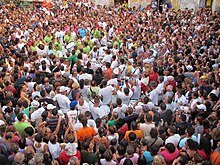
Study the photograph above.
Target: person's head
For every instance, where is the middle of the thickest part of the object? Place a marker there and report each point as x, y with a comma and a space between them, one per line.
130, 150
158, 160
118, 101
129, 111
115, 115
170, 147
54, 112
29, 131
149, 117
84, 122
108, 155
53, 139
128, 162
39, 158
171, 130
133, 125
74, 161
163, 106
112, 129
19, 158
153, 133
38, 138
126, 91
192, 147
142, 160
121, 150
190, 131
21, 117
132, 136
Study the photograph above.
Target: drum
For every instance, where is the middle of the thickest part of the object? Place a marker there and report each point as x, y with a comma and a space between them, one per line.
70, 46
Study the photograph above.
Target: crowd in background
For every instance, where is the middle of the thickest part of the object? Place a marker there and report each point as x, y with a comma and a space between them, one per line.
87, 84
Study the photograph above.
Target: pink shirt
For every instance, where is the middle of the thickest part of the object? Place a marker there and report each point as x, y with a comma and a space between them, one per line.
170, 157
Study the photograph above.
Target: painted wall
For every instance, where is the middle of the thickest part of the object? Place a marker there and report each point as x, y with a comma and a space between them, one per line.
216, 5
137, 3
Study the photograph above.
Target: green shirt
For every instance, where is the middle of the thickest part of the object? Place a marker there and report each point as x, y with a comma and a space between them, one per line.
48, 39
89, 157
68, 38
111, 122
20, 127
95, 33
72, 58
86, 50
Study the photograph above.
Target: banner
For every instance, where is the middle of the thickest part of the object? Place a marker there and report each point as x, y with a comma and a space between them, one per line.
138, 3
104, 2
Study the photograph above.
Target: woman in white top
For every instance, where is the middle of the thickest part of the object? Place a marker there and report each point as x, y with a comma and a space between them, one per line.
112, 134
39, 145
108, 158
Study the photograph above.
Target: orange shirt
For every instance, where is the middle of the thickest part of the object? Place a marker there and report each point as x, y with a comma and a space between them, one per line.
137, 132
84, 132
215, 157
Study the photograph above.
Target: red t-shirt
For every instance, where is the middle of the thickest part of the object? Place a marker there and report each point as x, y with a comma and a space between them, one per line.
64, 158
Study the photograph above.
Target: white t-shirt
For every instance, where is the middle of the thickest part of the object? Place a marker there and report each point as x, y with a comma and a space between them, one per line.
63, 102
72, 114
83, 108
36, 115
173, 139
121, 111
54, 150
106, 94
125, 99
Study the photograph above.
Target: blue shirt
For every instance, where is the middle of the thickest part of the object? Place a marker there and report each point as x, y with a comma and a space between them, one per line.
183, 141
82, 32
148, 157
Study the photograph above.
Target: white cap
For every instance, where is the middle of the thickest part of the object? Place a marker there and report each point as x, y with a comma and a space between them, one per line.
63, 89
35, 104
50, 106
189, 67
201, 106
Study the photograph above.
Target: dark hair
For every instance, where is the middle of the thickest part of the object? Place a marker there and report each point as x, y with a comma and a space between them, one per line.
172, 129
192, 144
142, 160
170, 147
149, 117
128, 162
108, 155
132, 136
205, 145
163, 106
29, 131
38, 138
84, 122
20, 116
54, 112
134, 125
130, 150
153, 132
121, 150
190, 131
53, 139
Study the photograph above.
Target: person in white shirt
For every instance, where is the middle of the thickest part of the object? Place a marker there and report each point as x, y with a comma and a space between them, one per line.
105, 93
154, 94
62, 100
54, 147
83, 106
97, 112
126, 94
173, 138
120, 109
73, 113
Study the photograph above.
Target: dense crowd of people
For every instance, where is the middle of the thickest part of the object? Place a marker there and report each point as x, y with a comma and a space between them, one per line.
87, 84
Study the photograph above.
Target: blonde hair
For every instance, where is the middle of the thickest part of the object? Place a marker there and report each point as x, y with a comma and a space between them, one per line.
158, 160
